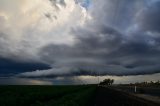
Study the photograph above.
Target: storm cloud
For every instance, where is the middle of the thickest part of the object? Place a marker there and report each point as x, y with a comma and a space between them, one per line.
98, 37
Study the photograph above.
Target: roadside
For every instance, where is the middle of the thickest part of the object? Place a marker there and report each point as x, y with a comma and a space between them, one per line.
110, 97
147, 93
154, 99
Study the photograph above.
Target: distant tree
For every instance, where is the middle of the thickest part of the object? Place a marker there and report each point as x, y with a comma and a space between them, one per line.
107, 82
112, 81
158, 82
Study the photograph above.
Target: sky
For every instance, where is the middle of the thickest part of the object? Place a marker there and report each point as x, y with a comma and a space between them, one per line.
73, 41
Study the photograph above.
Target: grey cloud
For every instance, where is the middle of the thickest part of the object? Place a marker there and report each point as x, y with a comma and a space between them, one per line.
116, 13
10, 67
105, 52
149, 17
102, 46
60, 2
93, 45
48, 15
55, 4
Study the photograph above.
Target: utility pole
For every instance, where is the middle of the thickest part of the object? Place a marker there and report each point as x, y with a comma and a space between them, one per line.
98, 77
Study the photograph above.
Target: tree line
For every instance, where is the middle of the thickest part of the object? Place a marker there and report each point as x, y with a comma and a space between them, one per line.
107, 82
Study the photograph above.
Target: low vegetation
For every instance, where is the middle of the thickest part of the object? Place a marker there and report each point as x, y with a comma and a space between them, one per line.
46, 95
79, 95
145, 84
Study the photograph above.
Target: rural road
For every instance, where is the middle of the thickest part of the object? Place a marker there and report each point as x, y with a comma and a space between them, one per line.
109, 97
153, 91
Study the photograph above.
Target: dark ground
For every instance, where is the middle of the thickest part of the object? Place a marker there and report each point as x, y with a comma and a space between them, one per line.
82, 95
110, 97
153, 91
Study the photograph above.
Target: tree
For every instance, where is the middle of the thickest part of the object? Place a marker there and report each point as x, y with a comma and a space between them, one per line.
107, 82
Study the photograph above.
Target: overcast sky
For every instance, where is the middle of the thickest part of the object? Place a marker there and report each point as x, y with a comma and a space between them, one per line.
66, 38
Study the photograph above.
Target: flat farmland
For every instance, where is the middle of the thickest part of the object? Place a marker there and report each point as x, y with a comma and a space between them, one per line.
73, 95
45, 95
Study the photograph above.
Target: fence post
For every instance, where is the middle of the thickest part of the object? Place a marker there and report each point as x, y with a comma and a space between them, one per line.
135, 89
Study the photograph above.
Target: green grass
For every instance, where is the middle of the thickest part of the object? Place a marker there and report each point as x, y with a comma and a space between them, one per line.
46, 95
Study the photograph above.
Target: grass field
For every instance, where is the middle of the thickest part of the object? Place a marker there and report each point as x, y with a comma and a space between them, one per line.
73, 95
46, 95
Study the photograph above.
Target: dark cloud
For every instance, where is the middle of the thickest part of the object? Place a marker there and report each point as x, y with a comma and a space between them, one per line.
120, 38
105, 52
11, 67
102, 47
116, 13
149, 17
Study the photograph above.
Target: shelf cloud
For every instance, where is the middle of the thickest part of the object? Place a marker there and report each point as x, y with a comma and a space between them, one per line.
80, 37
